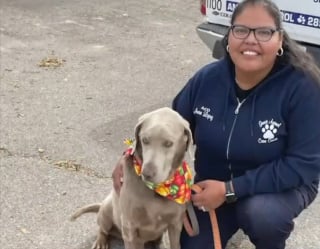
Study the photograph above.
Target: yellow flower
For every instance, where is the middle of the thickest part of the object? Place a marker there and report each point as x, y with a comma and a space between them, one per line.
162, 190
128, 142
180, 200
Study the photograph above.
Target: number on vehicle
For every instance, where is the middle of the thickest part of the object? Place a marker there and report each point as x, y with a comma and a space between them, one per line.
214, 4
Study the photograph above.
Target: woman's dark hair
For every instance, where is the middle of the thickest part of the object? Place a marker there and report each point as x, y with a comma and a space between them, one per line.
293, 53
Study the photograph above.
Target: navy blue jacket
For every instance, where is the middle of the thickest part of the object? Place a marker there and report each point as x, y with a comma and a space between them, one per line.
267, 144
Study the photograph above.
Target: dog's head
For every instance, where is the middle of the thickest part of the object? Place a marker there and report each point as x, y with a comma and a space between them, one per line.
162, 138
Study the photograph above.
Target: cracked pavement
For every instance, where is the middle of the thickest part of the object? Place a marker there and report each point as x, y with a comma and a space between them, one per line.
74, 77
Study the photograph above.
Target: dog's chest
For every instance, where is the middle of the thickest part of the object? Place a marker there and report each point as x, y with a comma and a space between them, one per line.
149, 212
147, 223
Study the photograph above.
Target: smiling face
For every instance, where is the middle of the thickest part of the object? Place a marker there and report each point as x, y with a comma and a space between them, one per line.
250, 55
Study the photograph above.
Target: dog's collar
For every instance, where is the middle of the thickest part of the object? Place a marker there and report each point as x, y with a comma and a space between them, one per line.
176, 189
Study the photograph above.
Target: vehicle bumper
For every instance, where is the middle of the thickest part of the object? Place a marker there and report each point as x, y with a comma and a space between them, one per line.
212, 34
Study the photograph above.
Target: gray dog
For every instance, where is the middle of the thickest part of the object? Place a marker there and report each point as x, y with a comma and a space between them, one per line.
140, 215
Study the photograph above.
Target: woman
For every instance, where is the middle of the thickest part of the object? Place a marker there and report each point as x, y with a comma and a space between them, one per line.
255, 118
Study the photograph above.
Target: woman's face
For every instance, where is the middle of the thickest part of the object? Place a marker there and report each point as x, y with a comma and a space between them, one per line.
250, 55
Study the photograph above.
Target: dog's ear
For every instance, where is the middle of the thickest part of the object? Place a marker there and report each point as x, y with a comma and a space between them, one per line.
137, 144
189, 138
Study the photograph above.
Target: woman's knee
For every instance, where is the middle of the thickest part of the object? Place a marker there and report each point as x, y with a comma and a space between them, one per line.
264, 217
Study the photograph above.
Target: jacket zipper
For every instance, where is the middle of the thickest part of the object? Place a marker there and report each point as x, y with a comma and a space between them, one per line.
231, 132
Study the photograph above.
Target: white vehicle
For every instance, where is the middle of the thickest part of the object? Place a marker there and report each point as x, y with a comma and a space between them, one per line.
301, 20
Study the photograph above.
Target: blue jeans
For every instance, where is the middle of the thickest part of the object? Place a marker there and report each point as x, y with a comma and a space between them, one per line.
267, 219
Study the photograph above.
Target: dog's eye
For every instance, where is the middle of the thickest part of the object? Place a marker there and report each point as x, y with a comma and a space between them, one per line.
145, 140
167, 144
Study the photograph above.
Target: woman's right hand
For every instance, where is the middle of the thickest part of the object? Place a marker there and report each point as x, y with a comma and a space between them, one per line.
117, 174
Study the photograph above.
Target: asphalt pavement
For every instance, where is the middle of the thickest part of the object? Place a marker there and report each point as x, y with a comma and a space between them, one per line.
74, 77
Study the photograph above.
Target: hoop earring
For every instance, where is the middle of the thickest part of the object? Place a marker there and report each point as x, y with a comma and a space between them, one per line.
227, 48
280, 52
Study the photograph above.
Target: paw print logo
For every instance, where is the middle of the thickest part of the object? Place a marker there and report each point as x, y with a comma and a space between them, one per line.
269, 131
301, 19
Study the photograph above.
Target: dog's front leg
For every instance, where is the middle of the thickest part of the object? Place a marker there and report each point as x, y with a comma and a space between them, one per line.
133, 245
131, 238
174, 231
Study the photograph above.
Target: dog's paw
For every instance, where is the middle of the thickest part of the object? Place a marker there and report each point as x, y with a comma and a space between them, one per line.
99, 246
100, 243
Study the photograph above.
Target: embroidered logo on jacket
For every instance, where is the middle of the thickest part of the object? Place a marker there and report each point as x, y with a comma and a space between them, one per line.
204, 112
269, 129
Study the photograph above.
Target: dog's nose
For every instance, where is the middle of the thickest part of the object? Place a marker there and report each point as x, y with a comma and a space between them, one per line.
148, 172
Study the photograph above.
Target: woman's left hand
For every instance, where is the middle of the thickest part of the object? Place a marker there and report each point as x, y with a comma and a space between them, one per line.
212, 195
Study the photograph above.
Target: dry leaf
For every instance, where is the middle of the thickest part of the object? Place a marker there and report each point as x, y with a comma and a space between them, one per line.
51, 61
68, 164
